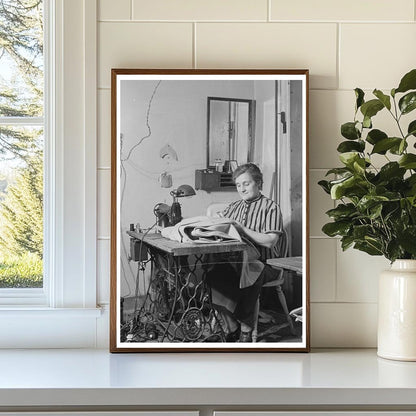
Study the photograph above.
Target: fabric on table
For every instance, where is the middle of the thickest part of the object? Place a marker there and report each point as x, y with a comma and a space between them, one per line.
203, 229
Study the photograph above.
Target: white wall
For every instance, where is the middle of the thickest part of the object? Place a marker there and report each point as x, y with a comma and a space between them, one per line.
177, 117
345, 44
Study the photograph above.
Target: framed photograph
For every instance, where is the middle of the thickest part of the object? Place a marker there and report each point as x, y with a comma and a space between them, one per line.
209, 211
233, 165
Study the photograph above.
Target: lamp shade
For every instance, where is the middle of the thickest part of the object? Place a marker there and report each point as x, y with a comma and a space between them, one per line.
183, 190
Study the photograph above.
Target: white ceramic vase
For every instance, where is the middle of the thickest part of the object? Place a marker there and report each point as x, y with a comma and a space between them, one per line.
397, 312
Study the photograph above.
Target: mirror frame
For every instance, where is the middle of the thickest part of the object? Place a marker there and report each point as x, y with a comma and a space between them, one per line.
251, 125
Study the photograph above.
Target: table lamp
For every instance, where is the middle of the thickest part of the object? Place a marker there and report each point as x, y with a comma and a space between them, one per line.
175, 210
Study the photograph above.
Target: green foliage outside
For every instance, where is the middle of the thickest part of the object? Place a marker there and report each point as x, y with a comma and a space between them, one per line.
21, 147
376, 211
21, 271
21, 214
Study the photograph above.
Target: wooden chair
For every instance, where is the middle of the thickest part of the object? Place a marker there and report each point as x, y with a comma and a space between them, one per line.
281, 251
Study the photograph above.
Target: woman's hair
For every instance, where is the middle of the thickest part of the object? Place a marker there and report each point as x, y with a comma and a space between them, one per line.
253, 170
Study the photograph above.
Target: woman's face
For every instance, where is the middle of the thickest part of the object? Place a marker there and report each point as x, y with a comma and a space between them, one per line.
247, 187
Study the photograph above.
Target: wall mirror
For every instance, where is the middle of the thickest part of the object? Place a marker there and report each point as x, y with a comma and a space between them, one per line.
230, 131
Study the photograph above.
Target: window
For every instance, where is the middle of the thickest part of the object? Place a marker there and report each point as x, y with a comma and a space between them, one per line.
22, 132
63, 313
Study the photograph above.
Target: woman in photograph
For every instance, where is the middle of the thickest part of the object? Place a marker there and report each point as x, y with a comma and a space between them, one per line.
236, 285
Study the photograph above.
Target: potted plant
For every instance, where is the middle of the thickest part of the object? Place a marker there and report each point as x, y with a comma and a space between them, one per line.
376, 209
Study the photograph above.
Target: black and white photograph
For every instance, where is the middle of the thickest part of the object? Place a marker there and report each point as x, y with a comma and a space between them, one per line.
209, 210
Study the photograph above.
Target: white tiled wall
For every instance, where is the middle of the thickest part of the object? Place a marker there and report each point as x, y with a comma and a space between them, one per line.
345, 44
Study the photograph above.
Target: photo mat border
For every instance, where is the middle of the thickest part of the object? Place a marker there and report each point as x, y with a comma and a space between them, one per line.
116, 75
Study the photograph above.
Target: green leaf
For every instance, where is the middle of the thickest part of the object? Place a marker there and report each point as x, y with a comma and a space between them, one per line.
338, 171
375, 243
408, 161
325, 186
411, 180
349, 131
338, 189
359, 95
368, 248
349, 146
348, 158
354, 161
333, 229
411, 185
408, 82
359, 165
391, 212
407, 240
371, 108
346, 242
391, 170
408, 102
393, 250
383, 145
375, 211
412, 202
385, 99
369, 201
411, 130
399, 148
375, 135
367, 122
340, 180
342, 211
347, 187
361, 231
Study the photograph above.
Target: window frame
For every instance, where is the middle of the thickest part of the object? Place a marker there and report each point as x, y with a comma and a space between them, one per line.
70, 170
37, 296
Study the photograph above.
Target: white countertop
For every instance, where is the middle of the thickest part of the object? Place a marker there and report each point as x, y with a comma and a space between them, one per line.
96, 377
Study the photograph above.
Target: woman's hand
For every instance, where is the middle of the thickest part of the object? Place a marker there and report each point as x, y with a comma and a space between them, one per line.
267, 240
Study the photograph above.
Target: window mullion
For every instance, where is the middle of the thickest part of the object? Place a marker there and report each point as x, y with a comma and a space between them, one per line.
22, 121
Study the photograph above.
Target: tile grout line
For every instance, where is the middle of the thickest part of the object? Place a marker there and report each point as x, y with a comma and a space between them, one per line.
336, 271
131, 10
269, 11
338, 63
323, 237
344, 302
194, 62
226, 21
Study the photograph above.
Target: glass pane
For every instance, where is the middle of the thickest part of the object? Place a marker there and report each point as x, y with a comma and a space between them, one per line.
21, 58
21, 207
219, 132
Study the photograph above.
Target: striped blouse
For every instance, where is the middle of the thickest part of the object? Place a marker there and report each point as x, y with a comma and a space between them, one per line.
262, 215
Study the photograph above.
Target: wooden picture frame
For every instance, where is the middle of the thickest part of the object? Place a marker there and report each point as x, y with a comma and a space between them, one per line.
189, 274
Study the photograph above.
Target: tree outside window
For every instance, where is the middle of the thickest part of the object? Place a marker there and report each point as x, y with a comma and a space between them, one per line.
21, 143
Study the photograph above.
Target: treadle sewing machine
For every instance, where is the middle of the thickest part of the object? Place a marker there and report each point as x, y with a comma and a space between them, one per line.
176, 305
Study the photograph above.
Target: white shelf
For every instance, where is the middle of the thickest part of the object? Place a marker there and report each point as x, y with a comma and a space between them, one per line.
58, 378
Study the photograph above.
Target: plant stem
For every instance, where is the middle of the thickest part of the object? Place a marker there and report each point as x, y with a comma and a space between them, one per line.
397, 118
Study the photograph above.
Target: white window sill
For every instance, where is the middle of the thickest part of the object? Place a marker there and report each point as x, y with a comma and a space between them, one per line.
38, 311
331, 379
40, 327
